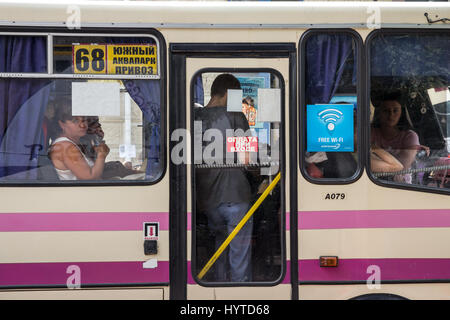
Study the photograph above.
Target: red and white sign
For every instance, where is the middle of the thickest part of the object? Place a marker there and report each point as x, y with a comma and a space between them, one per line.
242, 144
151, 230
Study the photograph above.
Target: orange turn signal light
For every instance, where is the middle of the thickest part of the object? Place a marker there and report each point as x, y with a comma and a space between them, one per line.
328, 261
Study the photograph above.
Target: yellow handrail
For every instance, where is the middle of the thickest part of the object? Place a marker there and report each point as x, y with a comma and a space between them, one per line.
238, 227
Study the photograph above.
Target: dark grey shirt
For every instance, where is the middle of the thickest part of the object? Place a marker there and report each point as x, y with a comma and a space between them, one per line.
220, 185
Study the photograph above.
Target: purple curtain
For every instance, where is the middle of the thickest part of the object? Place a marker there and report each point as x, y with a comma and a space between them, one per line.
326, 55
22, 103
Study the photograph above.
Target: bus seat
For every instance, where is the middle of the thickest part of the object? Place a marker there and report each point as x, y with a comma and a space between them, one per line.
46, 170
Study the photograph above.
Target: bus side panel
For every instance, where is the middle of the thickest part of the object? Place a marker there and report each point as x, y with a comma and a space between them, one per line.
68, 243
401, 238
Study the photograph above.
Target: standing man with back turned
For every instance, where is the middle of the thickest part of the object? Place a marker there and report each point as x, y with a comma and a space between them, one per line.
224, 194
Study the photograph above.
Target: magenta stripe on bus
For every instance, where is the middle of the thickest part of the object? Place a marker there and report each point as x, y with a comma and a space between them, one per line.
55, 274
370, 269
432, 218
81, 221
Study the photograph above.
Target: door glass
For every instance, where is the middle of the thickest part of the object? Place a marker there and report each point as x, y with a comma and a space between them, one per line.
237, 124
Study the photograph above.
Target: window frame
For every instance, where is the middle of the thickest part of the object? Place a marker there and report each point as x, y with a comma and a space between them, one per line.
360, 93
282, 170
367, 130
99, 32
50, 54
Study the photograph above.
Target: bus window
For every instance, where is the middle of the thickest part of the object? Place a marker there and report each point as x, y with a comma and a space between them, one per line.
331, 108
409, 80
237, 115
94, 113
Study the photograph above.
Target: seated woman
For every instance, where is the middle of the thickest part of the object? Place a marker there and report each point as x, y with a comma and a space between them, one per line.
68, 159
391, 132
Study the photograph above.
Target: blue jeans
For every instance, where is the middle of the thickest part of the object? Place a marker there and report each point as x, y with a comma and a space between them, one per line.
234, 264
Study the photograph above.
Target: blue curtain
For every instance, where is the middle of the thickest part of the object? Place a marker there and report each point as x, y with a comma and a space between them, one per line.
147, 95
325, 60
198, 91
22, 106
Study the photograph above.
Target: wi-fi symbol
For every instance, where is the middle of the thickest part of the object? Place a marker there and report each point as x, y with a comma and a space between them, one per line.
330, 117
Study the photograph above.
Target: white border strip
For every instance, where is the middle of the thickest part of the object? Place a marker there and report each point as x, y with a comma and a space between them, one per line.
229, 26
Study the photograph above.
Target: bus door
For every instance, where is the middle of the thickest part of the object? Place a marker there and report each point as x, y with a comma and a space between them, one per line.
229, 170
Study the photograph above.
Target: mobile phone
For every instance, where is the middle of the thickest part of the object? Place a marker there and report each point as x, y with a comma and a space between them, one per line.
97, 140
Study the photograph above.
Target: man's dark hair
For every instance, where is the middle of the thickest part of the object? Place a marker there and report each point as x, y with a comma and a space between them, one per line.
224, 82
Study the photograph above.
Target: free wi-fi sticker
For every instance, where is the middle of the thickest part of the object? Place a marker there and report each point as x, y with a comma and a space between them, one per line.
329, 128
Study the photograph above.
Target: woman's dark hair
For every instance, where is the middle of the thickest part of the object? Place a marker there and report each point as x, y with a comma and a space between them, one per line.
403, 123
63, 112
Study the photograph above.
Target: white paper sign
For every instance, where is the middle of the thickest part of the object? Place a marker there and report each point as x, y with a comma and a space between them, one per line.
127, 151
95, 99
439, 95
234, 100
269, 105
150, 264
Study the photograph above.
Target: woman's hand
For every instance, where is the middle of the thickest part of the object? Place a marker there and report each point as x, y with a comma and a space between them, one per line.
425, 149
102, 150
